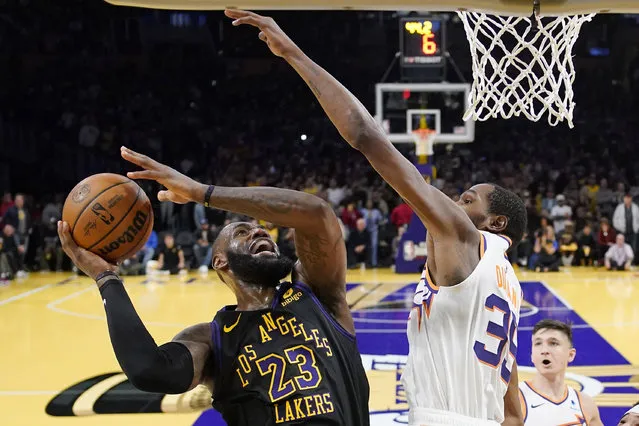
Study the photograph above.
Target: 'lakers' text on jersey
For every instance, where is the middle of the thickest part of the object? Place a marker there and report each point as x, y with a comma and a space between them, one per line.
288, 364
540, 410
463, 339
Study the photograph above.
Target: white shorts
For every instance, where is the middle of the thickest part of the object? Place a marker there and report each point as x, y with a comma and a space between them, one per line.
432, 417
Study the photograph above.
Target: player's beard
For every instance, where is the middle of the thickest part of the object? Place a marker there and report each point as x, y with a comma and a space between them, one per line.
261, 270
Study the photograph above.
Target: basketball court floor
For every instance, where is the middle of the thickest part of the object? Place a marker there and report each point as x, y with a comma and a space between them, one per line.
56, 361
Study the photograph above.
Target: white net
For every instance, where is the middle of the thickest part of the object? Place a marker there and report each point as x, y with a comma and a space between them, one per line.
522, 65
424, 139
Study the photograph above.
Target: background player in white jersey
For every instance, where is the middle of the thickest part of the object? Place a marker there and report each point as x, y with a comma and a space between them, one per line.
631, 418
461, 365
546, 399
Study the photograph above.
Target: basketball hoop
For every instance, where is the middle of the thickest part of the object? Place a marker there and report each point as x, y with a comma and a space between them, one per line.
424, 140
522, 65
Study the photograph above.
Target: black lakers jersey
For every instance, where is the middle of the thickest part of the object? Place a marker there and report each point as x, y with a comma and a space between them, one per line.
289, 364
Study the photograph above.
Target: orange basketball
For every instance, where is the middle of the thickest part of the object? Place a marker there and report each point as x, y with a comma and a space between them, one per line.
109, 215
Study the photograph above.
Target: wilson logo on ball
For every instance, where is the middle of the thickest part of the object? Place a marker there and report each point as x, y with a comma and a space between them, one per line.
128, 235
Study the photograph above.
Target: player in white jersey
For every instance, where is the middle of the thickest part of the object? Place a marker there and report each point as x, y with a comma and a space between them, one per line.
546, 399
468, 349
461, 358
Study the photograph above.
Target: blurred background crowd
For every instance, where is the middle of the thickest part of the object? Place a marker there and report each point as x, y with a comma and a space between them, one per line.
82, 78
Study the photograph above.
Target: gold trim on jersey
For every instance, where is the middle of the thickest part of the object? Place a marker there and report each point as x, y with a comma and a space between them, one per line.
285, 388
300, 365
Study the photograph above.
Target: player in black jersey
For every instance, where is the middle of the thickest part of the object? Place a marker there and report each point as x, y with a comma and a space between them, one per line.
286, 353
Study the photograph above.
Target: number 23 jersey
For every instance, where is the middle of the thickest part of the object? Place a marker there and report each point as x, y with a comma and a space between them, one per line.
289, 364
463, 339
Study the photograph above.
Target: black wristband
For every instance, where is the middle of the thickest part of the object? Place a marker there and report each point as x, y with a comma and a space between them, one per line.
208, 194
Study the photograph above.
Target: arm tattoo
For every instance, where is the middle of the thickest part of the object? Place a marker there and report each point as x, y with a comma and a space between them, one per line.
310, 249
315, 89
266, 206
283, 207
313, 85
315, 249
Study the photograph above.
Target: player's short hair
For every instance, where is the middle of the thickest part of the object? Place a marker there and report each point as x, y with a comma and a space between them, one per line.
551, 324
504, 202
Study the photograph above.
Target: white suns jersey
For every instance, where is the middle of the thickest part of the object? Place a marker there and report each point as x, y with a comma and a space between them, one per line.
539, 410
463, 339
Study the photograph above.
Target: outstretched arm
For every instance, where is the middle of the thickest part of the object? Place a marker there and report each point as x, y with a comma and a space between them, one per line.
441, 215
173, 367
318, 237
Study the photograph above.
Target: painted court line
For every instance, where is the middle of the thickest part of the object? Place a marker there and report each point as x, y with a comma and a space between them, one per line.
34, 291
525, 328
53, 392
382, 320
554, 293
70, 296
53, 306
28, 393
407, 310
25, 294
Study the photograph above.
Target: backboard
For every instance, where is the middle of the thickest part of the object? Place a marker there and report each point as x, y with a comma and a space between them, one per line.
403, 107
503, 7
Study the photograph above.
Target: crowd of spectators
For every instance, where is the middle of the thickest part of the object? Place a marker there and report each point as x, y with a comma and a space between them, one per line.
86, 78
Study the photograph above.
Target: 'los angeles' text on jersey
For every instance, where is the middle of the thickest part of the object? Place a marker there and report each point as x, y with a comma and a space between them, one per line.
285, 364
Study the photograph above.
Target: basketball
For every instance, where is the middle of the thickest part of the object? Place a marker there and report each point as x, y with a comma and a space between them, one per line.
109, 215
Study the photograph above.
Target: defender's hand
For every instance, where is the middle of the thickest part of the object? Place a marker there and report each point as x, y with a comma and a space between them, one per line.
180, 188
270, 33
89, 263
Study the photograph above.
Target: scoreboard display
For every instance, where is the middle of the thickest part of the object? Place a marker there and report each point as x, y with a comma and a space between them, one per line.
422, 41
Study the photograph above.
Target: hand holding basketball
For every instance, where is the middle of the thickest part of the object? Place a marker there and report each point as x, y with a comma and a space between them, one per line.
89, 263
270, 33
180, 189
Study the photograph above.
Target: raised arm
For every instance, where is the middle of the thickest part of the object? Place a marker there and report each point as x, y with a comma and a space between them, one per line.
441, 215
318, 237
174, 367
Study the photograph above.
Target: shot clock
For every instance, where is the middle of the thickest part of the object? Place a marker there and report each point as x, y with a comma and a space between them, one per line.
422, 41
